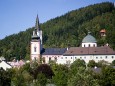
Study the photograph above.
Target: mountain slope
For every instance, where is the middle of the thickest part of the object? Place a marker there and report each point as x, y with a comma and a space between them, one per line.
68, 29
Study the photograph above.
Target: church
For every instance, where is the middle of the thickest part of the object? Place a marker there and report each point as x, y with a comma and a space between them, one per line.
87, 51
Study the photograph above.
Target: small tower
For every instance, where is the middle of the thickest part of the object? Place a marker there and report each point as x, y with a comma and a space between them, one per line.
36, 42
103, 33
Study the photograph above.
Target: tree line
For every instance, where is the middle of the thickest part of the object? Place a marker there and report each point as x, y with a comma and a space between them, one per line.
76, 74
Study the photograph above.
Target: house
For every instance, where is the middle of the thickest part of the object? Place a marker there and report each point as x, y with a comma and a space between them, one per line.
5, 65
103, 33
17, 64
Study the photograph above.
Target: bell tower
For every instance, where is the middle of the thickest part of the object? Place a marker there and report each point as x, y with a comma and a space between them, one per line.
36, 42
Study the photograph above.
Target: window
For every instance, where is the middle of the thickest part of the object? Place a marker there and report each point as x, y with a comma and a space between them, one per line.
84, 45
35, 58
84, 57
112, 57
65, 57
93, 45
49, 58
34, 49
106, 57
71, 57
43, 59
61, 57
75, 57
100, 57
55, 58
96, 57
80, 57
89, 45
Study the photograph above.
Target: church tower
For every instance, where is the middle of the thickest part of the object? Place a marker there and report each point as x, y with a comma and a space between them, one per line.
36, 42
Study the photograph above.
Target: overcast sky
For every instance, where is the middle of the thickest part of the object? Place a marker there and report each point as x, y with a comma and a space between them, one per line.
19, 15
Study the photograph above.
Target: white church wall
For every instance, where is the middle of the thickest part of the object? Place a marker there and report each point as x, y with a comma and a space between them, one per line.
108, 58
65, 59
86, 58
35, 45
89, 44
51, 57
35, 50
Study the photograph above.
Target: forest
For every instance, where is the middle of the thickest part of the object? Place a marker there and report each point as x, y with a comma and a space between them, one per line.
66, 30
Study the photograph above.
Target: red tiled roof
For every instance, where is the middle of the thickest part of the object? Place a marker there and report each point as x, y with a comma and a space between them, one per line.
105, 50
103, 31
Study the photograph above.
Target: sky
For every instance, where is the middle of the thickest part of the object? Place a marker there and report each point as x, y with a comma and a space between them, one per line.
19, 15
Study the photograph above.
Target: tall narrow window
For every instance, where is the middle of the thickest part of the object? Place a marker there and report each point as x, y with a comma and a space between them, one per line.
55, 58
105, 57
49, 58
89, 45
34, 49
84, 45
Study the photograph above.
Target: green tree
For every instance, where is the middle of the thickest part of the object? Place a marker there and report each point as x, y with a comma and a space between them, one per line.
102, 63
82, 78
78, 63
41, 79
60, 75
107, 76
113, 63
91, 63
75, 66
5, 77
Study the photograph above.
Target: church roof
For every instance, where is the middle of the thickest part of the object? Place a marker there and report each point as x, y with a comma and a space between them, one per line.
105, 50
89, 39
35, 37
54, 51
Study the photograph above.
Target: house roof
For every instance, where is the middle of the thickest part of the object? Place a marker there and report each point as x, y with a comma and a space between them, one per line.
105, 50
97, 70
103, 31
4, 65
54, 51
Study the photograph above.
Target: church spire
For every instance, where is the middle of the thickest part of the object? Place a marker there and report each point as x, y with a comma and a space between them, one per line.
37, 24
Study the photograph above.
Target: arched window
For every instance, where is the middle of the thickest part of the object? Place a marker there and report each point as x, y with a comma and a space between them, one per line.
105, 57
49, 58
43, 59
35, 49
84, 45
55, 58
89, 45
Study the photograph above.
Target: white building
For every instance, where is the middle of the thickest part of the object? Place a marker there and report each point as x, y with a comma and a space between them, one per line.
36, 42
5, 65
88, 50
